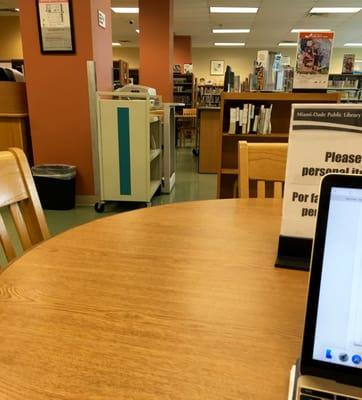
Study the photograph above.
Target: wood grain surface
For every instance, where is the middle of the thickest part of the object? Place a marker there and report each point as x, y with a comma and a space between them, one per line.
171, 302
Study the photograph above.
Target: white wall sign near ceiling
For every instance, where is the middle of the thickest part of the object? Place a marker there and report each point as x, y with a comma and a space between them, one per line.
101, 19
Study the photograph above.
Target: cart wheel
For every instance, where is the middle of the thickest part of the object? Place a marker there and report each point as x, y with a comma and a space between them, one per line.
99, 206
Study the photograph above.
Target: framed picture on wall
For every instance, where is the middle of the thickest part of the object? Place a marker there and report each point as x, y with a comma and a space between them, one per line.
217, 67
55, 24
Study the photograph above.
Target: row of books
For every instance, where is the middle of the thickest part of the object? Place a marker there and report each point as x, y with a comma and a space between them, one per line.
251, 118
183, 99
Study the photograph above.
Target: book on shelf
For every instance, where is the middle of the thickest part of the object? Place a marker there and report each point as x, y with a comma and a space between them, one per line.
250, 119
232, 125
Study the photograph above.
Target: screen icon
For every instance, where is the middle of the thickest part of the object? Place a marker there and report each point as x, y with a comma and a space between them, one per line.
329, 354
343, 357
356, 359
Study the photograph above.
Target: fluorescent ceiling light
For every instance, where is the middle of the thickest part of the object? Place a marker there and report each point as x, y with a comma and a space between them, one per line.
137, 30
239, 10
116, 44
334, 10
229, 44
309, 30
288, 44
230, 30
353, 45
125, 10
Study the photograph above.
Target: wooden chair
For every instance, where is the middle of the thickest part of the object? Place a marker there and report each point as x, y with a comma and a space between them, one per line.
262, 162
188, 129
18, 192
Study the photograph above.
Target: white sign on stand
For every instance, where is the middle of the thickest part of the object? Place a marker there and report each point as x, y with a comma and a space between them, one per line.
323, 138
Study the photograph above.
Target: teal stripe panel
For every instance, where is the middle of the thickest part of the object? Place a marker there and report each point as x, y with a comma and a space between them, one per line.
124, 151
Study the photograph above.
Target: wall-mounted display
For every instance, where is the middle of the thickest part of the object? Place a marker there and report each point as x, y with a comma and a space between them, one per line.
55, 26
217, 67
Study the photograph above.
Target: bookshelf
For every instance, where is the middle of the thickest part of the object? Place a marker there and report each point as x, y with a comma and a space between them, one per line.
280, 119
349, 85
209, 95
183, 89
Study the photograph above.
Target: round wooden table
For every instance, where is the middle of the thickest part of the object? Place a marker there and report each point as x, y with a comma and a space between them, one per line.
171, 302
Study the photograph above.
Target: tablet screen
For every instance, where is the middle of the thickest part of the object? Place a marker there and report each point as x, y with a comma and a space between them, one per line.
338, 332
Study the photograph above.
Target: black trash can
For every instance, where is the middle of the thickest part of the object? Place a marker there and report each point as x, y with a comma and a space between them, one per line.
56, 185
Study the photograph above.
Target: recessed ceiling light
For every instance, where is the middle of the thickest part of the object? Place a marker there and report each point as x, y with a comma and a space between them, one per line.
353, 45
17, 9
137, 30
334, 10
229, 44
230, 30
309, 30
288, 44
116, 44
239, 10
125, 10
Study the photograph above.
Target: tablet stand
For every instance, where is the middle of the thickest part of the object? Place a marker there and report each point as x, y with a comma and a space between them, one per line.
294, 253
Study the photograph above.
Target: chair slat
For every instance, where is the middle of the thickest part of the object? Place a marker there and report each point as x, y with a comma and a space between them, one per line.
243, 181
278, 190
5, 241
262, 162
20, 226
261, 189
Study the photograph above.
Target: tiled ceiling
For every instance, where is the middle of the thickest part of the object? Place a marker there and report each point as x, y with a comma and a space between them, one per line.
271, 25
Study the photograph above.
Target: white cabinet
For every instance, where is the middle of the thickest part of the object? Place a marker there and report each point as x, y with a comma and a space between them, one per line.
130, 147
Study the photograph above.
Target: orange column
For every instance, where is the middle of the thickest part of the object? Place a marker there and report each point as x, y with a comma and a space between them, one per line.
57, 87
156, 46
182, 50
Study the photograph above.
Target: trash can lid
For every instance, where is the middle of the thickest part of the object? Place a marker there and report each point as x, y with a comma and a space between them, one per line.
57, 171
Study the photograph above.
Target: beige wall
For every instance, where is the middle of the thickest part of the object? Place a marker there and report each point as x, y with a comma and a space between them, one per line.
129, 54
10, 38
241, 60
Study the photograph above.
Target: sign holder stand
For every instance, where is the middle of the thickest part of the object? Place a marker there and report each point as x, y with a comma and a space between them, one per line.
294, 253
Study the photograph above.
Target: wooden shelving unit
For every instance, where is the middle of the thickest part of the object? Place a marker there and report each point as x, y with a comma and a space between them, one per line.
209, 95
183, 89
280, 120
349, 85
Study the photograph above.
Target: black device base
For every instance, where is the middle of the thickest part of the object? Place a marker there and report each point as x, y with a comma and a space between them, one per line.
294, 253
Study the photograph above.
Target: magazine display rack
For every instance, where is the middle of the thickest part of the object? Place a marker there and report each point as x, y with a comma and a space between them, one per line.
280, 120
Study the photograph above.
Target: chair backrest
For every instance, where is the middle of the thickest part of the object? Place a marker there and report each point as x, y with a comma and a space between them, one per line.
189, 111
18, 192
262, 162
